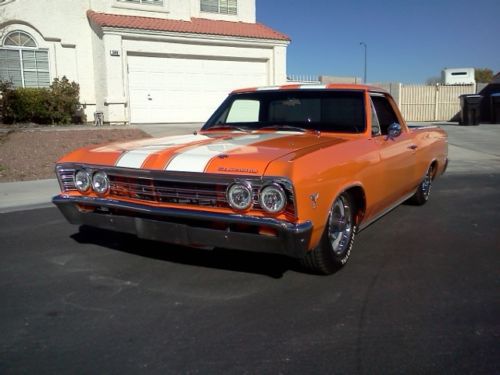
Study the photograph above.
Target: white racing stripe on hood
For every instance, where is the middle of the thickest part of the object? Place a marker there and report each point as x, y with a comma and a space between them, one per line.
197, 159
135, 158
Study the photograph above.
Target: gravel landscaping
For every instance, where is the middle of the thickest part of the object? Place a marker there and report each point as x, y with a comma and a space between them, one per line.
30, 153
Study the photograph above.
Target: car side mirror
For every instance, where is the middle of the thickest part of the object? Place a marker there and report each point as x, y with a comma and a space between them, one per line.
393, 131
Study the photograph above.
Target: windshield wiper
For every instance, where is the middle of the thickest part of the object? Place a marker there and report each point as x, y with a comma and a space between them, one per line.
285, 127
227, 127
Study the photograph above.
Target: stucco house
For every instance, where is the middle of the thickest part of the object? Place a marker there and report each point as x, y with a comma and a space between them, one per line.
141, 61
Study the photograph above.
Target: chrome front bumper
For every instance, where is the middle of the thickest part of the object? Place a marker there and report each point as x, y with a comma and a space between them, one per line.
188, 228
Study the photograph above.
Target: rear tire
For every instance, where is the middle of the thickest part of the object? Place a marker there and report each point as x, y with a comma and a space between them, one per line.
335, 245
423, 192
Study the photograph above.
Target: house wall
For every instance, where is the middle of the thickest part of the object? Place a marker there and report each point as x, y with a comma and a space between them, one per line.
174, 9
61, 27
82, 51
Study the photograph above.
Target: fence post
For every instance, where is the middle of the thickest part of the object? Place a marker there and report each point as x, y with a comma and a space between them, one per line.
436, 102
400, 93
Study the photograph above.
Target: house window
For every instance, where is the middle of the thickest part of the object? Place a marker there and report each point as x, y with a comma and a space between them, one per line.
219, 6
143, 2
22, 63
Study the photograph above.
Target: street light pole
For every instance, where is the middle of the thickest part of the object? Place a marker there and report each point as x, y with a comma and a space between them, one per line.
366, 49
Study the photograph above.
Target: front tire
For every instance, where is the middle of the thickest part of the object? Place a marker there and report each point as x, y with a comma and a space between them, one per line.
423, 192
335, 245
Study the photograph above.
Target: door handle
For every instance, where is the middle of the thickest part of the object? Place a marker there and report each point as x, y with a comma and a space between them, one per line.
413, 147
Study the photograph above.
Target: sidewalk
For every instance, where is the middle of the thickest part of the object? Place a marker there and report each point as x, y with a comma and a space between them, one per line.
26, 195
18, 196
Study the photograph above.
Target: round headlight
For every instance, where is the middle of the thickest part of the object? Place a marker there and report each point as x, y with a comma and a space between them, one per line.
100, 183
239, 196
82, 181
272, 198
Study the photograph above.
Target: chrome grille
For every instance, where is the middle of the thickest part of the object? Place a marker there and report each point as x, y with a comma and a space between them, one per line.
161, 191
66, 178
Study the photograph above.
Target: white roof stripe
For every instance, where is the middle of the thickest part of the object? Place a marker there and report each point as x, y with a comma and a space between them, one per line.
312, 87
268, 88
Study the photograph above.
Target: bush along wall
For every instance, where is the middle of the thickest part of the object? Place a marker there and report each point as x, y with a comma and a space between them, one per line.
58, 104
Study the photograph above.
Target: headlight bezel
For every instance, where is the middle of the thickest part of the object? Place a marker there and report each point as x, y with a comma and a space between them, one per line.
88, 186
245, 185
103, 186
281, 192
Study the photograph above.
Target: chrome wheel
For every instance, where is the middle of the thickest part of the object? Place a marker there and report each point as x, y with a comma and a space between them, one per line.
340, 226
426, 185
423, 192
335, 246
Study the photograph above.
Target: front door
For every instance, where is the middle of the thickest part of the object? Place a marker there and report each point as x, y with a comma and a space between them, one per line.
397, 155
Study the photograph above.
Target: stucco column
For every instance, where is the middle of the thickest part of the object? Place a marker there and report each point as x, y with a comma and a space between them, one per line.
115, 102
279, 65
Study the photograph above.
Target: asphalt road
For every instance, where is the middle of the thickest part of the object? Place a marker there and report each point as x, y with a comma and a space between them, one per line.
420, 295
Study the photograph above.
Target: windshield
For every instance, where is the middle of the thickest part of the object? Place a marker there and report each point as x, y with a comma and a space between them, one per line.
324, 110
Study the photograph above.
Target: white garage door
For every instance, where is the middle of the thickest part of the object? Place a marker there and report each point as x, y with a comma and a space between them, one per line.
166, 89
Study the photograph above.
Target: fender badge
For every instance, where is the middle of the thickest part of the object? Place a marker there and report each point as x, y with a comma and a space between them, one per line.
314, 199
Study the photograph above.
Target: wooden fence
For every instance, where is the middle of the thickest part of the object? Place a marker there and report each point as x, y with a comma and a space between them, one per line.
431, 103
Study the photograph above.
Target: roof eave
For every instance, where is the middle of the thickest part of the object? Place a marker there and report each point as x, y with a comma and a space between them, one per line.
177, 34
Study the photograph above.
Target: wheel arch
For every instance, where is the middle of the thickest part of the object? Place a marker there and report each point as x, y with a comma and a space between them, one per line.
434, 165
358, 195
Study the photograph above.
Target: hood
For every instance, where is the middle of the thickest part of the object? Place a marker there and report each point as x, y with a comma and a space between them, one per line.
230, 153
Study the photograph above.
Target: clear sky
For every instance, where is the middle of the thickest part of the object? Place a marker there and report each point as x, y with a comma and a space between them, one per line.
408, 41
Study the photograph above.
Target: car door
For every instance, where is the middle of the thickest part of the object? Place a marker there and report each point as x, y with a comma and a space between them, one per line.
397, 154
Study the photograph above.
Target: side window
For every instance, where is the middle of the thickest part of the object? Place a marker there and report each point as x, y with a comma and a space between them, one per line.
385, 113
375, 123
244, 111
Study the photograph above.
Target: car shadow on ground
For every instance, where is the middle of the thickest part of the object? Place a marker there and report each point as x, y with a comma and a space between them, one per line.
271, 265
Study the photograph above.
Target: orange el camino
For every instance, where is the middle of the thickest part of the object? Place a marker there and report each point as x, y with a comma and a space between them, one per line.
294, 170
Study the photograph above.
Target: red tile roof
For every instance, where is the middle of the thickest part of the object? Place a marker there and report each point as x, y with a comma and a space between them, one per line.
195, 26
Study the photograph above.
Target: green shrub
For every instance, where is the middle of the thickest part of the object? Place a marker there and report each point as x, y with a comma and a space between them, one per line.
64, 101
7, 93
30, 105
58, 104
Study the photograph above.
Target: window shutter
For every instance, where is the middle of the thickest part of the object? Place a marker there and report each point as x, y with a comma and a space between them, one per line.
35, 68
211, 6
219, 6
10, 67
146, 2
232, 7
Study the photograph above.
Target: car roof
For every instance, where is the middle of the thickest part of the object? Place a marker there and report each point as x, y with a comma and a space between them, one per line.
331, 86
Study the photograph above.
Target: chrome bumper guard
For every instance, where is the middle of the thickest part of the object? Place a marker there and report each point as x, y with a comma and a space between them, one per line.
186, 227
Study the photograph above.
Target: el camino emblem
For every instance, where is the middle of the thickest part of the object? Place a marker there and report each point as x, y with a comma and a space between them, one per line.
314, 199
237, 170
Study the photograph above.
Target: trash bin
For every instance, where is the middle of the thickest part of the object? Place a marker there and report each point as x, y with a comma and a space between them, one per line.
495, 108
98, 118
470, 109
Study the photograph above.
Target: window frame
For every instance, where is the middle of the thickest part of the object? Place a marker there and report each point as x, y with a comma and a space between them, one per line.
219, 118
20, 49
374, 119
389, 105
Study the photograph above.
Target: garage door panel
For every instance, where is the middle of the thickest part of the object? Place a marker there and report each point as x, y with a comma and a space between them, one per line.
166, 89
